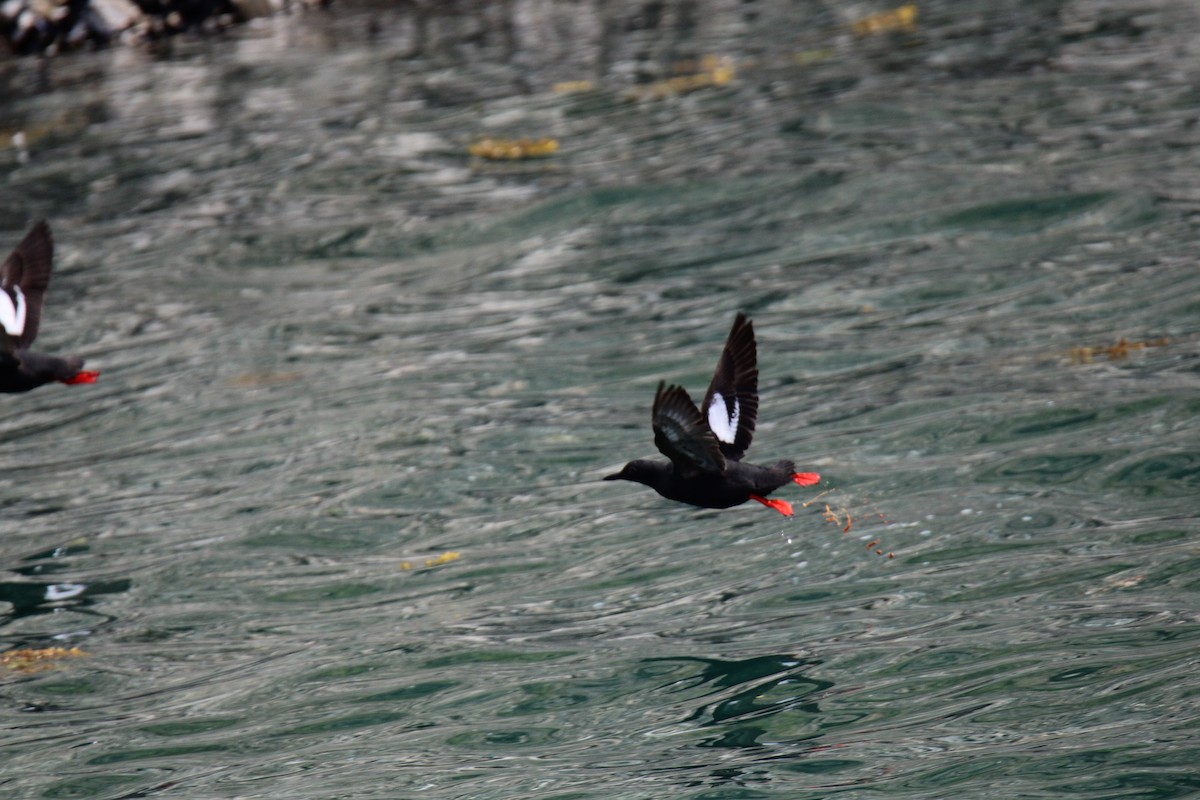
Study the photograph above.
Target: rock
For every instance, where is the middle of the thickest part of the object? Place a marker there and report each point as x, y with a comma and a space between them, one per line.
109, 17
249, 9
47, 26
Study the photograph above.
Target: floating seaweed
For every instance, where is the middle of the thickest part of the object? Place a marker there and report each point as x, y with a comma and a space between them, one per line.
29, 660
513, 149
435, 561
1115, 352
902, 18
714, 71
573, 87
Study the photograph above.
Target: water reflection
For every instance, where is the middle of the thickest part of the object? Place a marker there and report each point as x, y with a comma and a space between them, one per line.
765, 686
36, 612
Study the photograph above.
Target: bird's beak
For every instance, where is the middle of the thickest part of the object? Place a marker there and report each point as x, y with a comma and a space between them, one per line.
616, 476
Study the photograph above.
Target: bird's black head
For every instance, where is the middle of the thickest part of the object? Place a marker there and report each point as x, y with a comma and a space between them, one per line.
639, 471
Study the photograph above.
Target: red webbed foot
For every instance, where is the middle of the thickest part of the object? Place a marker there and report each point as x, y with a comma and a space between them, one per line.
782, 506
83, 376
806, 478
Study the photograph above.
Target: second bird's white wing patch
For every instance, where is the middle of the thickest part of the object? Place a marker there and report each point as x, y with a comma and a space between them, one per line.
722, 421
12, 317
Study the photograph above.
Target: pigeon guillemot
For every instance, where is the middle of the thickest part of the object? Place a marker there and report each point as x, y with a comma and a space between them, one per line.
23, 280
706, 448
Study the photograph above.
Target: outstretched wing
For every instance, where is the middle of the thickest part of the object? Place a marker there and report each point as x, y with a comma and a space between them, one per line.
24, 277
731, 403
681, 434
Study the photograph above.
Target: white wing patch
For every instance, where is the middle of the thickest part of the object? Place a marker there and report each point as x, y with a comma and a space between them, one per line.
722, 422
12, 318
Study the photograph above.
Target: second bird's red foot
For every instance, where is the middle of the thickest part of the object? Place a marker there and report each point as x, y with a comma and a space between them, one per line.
782, 506
806, 478
84, 376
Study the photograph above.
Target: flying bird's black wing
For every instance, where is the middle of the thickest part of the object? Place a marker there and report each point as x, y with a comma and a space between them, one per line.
730, 405
681, 434
24, 277
8, 359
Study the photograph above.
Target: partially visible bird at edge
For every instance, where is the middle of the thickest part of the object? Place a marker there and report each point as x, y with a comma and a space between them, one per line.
24, 277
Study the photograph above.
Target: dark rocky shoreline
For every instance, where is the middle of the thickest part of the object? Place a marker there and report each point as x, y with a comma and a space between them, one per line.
50, 26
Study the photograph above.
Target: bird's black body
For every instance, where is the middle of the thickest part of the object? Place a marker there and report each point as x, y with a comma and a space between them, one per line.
705, 448
708, 490
22, 370
24, 277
